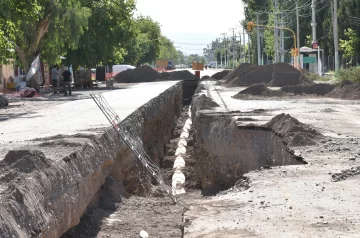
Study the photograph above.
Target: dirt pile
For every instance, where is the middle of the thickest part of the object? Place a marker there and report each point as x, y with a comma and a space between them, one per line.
318, 89
346, 90
293, 132
275, 75
221, 74
205, 103
177, 75
3, 101
258, 90
137, 75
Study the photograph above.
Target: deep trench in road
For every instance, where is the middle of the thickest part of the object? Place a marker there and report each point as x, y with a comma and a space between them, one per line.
218, 153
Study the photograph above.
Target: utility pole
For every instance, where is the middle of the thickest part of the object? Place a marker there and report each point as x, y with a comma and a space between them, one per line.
224, 34
249, 59
313, 23
233, 43
221, 50
240, 47
282, 39
298, 35
244, 45
258, 39
276, 34
336, 36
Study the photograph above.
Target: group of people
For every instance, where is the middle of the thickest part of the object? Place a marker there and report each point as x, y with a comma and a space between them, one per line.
59, 75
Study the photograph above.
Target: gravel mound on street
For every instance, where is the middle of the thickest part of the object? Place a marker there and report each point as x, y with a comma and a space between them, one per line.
137, 75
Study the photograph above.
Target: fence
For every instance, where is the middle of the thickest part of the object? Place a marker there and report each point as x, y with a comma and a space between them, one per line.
345, 62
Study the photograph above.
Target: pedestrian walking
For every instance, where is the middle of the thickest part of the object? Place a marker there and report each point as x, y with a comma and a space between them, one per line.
67, 83
55, 78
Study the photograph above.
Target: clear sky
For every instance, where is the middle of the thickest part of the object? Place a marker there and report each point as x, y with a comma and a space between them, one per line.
193, 21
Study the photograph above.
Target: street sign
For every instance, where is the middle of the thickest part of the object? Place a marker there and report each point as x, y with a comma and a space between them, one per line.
309, 60
315, 45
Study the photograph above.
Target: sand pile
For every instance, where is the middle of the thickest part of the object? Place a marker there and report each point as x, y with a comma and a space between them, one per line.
346, 90
258, 90
3, 101
292, 131
139, 74
275, 75
221, 74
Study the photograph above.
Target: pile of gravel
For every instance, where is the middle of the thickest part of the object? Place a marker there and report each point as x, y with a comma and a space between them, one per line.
3, 101
258, 90
137, 75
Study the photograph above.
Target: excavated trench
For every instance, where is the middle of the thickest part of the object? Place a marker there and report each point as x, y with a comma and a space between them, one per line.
229, 144
101, 190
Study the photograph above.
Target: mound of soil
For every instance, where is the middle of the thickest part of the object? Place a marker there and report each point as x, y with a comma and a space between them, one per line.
206, 77
240, 71
221, 74
137, 75
292, 131
275, 75
346, 90
258, 90
3, 101
203, 102
184, 75
318, 89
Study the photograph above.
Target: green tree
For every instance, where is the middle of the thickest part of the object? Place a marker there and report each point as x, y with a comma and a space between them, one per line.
351, 44
42, 26
110, 35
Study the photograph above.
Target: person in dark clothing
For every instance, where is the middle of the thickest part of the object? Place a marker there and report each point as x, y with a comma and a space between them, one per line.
66, 74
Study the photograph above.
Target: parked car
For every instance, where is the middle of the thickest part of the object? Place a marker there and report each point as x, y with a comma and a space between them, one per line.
169, 67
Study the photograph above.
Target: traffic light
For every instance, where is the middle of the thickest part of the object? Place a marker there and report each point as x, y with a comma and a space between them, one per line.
250, 26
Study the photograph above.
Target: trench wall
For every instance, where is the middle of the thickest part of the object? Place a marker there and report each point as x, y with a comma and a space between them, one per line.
224, 152
44, 198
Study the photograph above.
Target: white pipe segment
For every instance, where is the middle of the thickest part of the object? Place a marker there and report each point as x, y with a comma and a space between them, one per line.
182, 142
178, 182
188, 121
180, 151
186, 127
179, 162
184, 135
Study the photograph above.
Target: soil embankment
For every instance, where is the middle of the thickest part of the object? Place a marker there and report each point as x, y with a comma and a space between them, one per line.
44, 198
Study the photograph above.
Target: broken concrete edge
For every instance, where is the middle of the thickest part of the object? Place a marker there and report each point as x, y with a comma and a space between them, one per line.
45, 198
